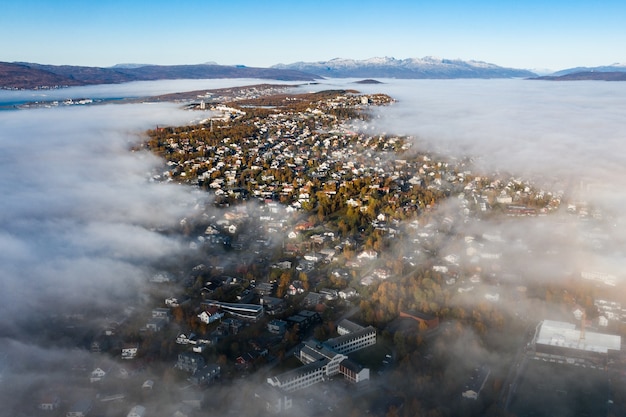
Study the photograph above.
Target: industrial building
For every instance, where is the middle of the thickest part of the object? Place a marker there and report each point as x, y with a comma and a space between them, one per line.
557, 341
565, 372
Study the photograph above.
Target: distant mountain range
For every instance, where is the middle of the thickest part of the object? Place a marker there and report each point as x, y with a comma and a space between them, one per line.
614, 72
428, 67
586, 76
30, 76
604, 68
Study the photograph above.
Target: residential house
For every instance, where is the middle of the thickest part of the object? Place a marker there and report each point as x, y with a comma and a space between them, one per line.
367, 280
328, 253
313, 257
347, 293
176, 301
367, 255
579, 313
205, 375
49, 401
249, 359
130, 351
183, 339
282, 265
264, 288
99, 373
277, 326
189, 362
273, 305
161, 312
296, 287
156, 324
312, 299
210, 314
329, 293
229, 326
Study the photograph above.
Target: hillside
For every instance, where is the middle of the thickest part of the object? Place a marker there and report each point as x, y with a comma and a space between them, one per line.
30, 76
428, 67
23, 76
587, 76
603, 68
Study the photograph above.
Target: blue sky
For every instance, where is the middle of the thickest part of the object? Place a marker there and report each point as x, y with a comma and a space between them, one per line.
530, 34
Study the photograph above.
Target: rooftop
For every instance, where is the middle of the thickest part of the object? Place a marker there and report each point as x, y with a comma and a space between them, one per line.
557, 333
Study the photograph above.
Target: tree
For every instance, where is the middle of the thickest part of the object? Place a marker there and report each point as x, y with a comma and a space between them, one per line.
283, 284
304, 278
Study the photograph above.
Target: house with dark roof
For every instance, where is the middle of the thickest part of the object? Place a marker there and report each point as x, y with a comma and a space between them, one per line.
205, 375
49, 401
190, 362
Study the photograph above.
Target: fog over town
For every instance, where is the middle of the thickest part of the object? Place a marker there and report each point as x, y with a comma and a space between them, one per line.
81, 220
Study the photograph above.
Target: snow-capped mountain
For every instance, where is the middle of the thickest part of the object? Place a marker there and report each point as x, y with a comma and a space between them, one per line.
389, 67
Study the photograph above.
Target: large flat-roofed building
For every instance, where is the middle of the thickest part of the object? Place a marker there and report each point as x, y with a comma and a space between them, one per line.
354, 341
307, 375
250, 312
566, 372
562, 341
346, 326
323, 360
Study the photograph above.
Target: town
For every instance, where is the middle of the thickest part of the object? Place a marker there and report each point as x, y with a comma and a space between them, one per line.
336, 272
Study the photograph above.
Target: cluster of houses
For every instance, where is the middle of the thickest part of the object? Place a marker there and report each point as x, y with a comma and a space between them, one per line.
289, 152
610, 312
298, 158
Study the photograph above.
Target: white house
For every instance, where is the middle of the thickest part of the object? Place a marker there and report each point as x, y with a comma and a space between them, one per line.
578, 313
367, 254
130, 351
312, 257
367, 280
183, 339
98, 374
210, 315
347, 293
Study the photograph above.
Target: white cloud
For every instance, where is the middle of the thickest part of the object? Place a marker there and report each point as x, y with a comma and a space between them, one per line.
78, 212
